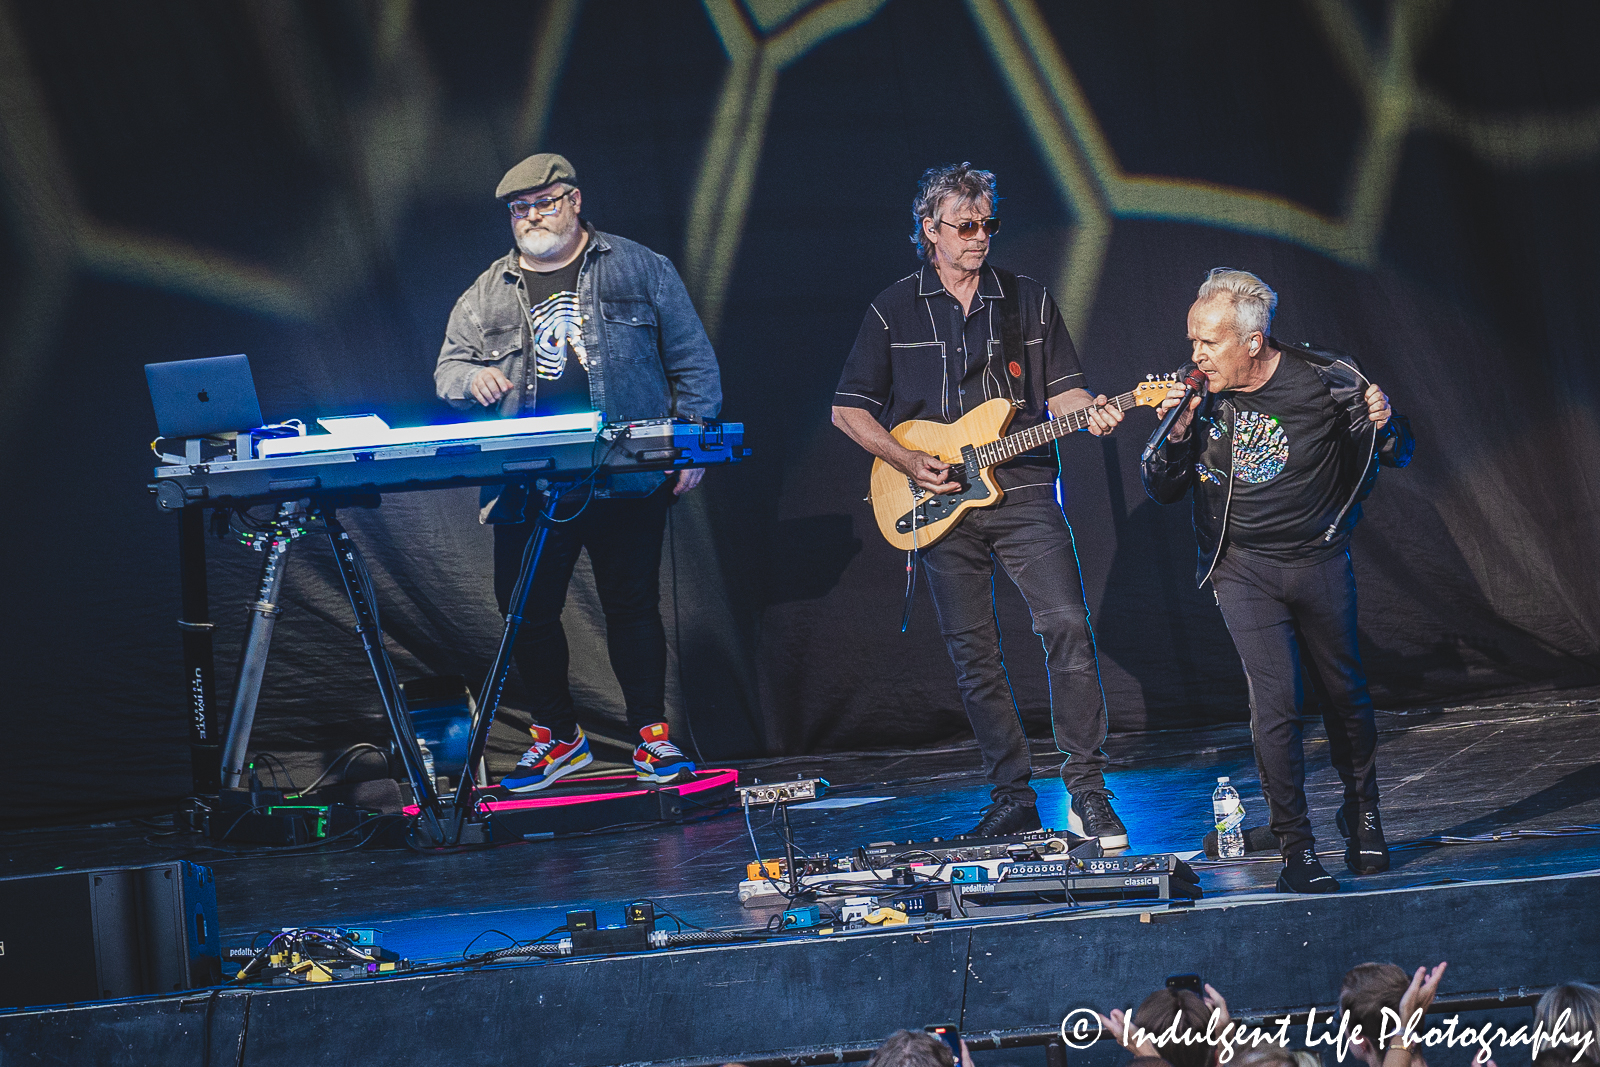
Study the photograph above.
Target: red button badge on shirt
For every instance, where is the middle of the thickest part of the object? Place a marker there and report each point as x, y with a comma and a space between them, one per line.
1015, 368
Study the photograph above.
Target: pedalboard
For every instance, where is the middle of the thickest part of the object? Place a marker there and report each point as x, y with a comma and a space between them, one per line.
1031, 886
968, 876
328, 954
1035, 844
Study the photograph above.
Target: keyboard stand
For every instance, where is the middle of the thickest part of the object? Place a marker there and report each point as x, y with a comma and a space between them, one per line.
494, 682
358, 587
287, 527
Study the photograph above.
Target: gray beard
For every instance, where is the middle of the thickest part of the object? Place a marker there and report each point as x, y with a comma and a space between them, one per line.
537, 243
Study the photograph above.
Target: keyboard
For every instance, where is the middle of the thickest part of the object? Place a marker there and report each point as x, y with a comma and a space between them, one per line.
363, 456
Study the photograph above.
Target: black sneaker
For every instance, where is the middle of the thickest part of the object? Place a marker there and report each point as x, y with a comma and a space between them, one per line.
1006, 817
1303, 874
1091, 816
1365, 850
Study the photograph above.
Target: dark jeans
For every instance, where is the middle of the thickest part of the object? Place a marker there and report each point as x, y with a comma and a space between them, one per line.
1283, 619
1031, 540
623, 538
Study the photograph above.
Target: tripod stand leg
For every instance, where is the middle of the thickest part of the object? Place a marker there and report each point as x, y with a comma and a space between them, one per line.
494, 682
199, 664
354, 574
253, 665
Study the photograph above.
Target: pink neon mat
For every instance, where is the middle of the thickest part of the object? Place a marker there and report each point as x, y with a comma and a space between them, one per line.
704, 781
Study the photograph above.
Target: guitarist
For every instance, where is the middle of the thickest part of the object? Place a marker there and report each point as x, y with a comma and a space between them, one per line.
935, 345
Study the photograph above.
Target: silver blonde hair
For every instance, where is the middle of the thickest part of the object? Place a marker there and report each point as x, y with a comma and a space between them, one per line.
1253, 300
1584, 1003
958, 181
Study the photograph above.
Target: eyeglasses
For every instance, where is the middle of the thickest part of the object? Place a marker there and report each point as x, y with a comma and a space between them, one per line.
545, 205
991, 226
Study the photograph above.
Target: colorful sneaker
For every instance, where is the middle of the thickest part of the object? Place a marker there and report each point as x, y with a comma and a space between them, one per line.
657, 759
547, 761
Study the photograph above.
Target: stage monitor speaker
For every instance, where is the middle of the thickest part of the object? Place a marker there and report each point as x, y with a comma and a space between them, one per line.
114, 932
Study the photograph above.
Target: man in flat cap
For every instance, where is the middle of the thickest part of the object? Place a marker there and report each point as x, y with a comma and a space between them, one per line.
575, 320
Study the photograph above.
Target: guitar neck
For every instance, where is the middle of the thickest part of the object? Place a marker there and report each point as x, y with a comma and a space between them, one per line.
1042, 434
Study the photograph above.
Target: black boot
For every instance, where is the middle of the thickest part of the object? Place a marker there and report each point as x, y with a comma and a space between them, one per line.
1006, 817
1365, 850
1303, 874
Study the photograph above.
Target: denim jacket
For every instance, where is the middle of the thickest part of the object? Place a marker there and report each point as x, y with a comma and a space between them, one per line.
649, 356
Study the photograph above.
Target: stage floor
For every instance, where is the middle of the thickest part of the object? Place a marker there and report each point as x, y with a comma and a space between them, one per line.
1461, 772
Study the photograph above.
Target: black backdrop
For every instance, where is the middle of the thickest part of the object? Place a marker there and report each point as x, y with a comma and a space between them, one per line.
311, 183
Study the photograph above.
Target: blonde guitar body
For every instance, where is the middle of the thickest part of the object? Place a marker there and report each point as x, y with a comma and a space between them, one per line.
895, 500
910, 517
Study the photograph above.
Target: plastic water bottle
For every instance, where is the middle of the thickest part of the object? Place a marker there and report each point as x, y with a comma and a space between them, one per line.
1228, 814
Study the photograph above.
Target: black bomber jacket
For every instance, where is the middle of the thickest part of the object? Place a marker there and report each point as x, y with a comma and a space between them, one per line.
1170, 472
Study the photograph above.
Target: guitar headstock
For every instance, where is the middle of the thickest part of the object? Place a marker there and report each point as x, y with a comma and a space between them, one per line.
1154, 389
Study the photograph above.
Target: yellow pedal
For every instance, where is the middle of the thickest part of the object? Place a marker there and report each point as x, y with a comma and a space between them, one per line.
774, 869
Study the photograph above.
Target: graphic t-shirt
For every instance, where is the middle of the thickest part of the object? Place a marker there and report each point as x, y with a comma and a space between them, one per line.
1287, 467
560, 362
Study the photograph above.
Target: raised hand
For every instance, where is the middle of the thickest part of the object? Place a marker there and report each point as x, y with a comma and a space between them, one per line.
1423, 988
1121, 1026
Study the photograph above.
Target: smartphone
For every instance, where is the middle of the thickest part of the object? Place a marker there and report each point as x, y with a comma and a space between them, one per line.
951, 1036
1187, 981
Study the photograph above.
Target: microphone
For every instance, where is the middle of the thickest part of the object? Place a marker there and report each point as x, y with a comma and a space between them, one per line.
1193, 379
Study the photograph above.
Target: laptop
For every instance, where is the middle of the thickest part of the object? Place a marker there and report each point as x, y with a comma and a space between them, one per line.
200, 397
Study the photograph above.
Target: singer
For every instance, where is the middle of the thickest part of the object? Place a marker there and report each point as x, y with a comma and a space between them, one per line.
1279, 454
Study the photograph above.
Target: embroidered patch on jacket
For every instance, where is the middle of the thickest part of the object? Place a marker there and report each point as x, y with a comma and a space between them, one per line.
556, 330
1259, 447
1206, 474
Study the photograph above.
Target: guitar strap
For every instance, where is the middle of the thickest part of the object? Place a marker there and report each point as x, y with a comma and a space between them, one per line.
1011, 350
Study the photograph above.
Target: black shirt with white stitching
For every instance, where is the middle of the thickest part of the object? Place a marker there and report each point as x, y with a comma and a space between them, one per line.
920, 356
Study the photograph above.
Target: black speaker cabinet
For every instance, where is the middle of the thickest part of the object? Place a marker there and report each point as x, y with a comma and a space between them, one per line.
116, 932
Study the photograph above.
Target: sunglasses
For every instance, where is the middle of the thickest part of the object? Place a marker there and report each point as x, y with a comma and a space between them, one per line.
545, 205
990, 226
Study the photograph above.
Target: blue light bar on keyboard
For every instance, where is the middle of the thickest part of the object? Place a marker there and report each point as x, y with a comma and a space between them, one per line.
370, 436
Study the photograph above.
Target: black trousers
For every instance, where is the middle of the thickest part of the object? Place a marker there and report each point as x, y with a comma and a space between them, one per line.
1283, 620
623, 538
1031, 540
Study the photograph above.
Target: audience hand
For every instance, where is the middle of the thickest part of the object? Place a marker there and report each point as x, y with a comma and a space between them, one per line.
1420, 993
1120, 1025
1214, 1001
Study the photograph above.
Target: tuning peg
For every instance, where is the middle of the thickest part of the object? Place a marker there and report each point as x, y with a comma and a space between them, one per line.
1149, 377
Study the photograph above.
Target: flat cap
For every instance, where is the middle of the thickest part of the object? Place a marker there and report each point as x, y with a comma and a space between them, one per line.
535, 172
